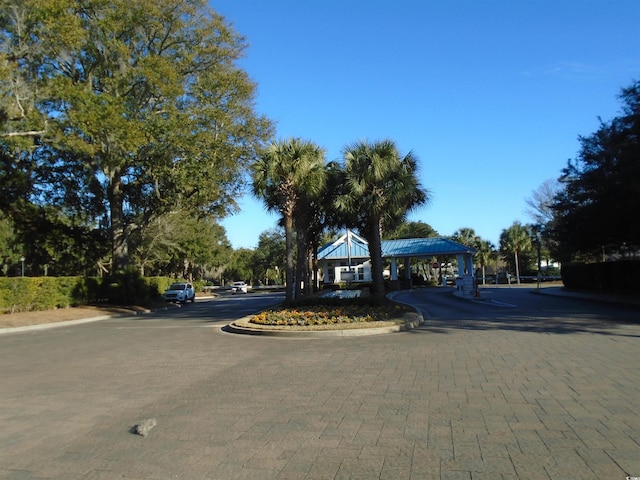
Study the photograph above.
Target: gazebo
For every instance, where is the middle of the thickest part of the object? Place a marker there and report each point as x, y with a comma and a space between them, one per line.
347, 259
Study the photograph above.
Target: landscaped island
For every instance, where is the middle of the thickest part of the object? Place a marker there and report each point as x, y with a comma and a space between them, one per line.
329, 315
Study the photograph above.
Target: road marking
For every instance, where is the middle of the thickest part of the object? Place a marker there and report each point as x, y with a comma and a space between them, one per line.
502, 304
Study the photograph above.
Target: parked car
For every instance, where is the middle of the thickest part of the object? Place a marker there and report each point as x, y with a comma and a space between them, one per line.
180, 292
239, 287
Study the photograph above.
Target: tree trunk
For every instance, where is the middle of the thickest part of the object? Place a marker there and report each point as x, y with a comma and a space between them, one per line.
301, 258
375, 252
517, 268
119, 249
288, 235
313, 268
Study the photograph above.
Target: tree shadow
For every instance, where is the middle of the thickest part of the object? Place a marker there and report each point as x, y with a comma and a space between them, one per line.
557, 316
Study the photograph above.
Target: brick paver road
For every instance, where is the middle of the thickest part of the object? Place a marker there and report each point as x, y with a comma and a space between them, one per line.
444, 401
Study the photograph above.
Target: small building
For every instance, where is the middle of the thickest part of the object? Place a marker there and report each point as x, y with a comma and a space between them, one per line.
347, 259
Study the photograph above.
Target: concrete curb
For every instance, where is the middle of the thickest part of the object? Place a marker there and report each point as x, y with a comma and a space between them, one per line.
66, 323
239, 328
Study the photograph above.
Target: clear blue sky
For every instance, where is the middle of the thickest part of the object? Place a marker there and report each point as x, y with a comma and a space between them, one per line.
490, 95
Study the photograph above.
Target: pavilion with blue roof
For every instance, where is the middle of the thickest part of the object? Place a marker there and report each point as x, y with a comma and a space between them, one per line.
347, 259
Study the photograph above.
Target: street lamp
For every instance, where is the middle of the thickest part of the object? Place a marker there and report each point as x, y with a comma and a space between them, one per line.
22, 260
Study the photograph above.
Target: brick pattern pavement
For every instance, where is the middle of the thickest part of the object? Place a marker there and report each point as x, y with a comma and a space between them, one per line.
438, 402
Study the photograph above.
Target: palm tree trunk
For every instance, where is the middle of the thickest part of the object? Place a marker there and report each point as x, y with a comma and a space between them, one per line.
289, 280
301, 256
517, 268
313, 266
375, 252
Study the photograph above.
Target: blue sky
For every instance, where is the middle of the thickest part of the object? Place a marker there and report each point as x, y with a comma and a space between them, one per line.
490, 95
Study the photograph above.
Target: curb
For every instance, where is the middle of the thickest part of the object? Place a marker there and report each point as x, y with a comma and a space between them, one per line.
238, 328
66, 323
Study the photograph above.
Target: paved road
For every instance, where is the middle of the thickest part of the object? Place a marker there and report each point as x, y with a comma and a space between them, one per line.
525, 386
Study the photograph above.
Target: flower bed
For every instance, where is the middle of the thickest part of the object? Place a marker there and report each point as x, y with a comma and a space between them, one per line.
328, 315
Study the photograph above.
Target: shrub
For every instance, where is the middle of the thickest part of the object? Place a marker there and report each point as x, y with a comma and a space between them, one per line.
324, 311
623, 276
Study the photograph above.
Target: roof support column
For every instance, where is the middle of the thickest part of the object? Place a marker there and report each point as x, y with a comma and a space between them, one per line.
394, 269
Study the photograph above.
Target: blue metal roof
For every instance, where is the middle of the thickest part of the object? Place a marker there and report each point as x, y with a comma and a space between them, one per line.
408, 247
339, 249
423, 247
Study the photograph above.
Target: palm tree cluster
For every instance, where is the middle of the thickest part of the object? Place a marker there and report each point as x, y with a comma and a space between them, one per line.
372, 190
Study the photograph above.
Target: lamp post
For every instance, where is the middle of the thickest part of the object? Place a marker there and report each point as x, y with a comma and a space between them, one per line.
22, 261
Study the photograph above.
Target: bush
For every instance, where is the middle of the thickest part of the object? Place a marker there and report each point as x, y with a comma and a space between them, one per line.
612, 277
345, 311
22, 294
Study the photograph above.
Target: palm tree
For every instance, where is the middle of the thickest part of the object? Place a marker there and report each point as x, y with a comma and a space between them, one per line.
466, 236
513, 241
380, 189
285, 170
308, 221
486, 252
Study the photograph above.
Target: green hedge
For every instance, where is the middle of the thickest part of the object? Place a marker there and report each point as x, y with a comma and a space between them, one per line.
610, 277
23, 294
20, 294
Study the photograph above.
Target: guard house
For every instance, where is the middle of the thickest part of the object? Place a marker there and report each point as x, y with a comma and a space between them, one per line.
347, 259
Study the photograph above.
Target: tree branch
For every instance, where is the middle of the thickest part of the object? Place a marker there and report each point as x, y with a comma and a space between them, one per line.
30, 133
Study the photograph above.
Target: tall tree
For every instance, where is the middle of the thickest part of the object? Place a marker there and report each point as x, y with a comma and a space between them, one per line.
466, 236
282, 175
514, 241
144, 95
380, 188
540, 210
486, 252
308, 216
593, 212
270, 255
181, 245
540, 203
411, 230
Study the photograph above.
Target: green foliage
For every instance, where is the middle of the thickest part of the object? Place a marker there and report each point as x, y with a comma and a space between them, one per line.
411, 230
310, 313
617, 277
270, 257
118, 111
20, 294
179, 244
288, 176
361, 301
129, 288
599, 202
379, 188
515, 244
241, 266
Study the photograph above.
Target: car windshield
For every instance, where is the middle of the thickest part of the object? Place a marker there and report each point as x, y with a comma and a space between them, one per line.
177, 286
